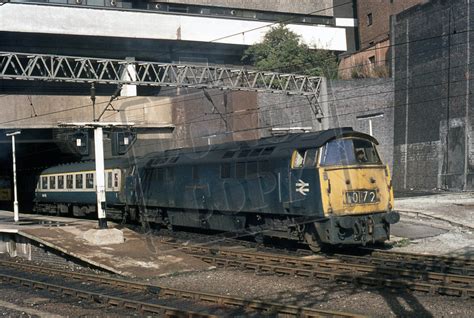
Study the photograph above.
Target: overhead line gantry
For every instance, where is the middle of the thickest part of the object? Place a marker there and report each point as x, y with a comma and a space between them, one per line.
59, 68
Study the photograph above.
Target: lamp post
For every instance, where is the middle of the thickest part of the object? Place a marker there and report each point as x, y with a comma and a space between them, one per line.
15, 197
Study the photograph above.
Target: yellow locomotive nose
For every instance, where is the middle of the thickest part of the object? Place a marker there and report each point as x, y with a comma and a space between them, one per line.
353, 179
356, 189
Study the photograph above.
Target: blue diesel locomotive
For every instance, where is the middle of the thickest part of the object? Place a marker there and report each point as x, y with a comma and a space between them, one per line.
328, 187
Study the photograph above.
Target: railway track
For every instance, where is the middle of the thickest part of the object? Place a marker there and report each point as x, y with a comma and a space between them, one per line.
369, 256
412, 261
148, 299
440, 260
337, 269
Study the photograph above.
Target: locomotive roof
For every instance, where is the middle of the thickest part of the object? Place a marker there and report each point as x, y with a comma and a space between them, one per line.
270, 147
275, 146
83, 166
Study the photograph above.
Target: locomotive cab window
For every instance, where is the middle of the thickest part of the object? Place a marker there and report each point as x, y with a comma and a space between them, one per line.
365, 152
349, 152
310, 157
297, 159
305, 158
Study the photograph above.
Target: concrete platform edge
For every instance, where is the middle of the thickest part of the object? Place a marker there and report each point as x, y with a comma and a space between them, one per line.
48, 244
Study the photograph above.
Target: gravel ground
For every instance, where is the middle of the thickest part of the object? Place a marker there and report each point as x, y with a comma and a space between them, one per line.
455, 242
322, 295
300, 291
50, 304
281, 289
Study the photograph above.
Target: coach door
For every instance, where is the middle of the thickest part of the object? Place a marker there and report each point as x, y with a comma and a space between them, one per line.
131, 186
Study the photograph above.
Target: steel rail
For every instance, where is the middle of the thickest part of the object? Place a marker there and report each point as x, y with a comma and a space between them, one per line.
448, 260
209, 298
332, 263
331, 270
426, 265
426, 262
142, 307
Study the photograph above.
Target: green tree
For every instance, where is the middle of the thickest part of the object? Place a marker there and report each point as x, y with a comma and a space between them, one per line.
282, 51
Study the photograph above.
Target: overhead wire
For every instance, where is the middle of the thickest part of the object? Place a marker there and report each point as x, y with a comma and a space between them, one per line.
349, 97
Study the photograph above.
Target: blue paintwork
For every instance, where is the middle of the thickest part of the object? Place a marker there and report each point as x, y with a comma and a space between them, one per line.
80, 197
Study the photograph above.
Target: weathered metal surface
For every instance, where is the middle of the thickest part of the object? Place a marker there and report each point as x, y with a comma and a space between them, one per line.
58, 68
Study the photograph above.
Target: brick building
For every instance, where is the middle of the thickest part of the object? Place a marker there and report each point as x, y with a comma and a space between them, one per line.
433, 135
374, 57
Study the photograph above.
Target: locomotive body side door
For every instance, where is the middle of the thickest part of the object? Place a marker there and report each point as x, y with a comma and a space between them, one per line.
304, 196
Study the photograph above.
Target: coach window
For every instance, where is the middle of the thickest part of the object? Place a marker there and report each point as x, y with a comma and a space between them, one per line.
89, 181
79, 182
60, 182
69, 181
52, 182
116, 179
297, 159
109, 180
44, 183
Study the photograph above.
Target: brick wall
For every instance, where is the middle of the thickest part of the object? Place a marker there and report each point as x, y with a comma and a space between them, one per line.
352, 101
380, 10
371, 62
433, 119
252, 115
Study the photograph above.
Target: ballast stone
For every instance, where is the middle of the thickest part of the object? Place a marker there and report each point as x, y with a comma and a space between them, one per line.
104, 236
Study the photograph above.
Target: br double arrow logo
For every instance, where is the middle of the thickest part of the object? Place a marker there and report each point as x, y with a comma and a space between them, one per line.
302, 187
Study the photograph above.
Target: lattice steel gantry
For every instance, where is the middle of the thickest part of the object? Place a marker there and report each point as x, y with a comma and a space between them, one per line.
47, 67
59, 68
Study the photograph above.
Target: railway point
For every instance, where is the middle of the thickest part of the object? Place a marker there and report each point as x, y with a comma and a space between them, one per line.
139, 255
